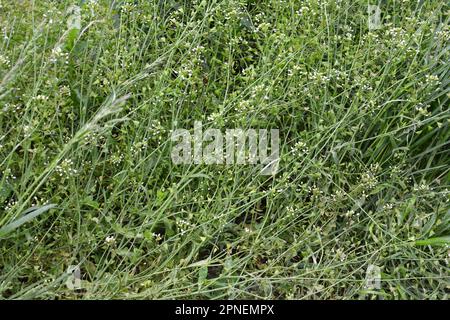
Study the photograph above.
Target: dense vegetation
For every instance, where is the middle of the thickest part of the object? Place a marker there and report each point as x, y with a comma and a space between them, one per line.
86, 178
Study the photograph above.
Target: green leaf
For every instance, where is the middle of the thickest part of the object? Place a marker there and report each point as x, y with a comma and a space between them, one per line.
30, 214
438, 241
202, 275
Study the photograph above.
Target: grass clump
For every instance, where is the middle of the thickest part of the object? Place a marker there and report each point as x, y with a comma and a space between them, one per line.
90, 94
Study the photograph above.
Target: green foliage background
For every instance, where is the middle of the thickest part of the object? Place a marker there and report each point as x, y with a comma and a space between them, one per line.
85, 121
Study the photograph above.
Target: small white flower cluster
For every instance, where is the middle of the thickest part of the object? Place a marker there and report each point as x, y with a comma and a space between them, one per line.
39, 201
185, 72
431, 80
198, 49
57, 54
366, 87
233, 12
13, 107
303, 10
422, 187
423, 110
259, 90
41, 98
348, 32
214, 116
27, 129
128, 8
52, 12
64, 90
4, 61
243, 106
316, 191
157, 236
91, 138
338, 196
443, 34
184, 225
339, 254
238, 41
92, 4
117, 159
399, 38
157, 130
249, 72
65, 168
375, 168
309, 190
139, 147
369, 179
7, 173
319, 77
349, 213
295, 69
394, 171
10, 205
263, 27
291, 212
110, 240
300, 149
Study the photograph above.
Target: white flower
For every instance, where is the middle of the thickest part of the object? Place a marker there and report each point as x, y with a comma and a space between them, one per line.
110, 240
40, 98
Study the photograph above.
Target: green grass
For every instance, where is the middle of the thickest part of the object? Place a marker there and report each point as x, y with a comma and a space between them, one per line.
86, 176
